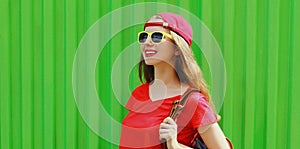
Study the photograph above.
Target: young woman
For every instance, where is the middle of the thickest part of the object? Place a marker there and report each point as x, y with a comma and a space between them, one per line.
169, 69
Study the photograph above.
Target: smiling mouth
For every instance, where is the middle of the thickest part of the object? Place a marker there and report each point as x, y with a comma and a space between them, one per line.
149, 53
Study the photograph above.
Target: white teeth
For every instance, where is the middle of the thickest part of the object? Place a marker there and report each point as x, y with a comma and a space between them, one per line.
150, 52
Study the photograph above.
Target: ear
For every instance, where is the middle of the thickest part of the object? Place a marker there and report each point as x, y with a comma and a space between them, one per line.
177, 52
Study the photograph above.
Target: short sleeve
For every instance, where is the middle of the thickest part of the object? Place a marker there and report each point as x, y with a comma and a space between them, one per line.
203, 114
138, 97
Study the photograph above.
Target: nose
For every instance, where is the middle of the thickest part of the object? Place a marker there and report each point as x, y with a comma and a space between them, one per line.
148, 41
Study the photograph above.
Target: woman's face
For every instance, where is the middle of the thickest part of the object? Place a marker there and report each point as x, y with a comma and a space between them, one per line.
155, 54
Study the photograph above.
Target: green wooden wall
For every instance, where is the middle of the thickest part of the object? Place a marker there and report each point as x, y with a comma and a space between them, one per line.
259, 40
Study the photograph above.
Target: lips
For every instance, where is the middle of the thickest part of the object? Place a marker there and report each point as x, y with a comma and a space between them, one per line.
149, 53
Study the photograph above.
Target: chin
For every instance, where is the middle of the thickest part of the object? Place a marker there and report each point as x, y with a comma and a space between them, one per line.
152, 61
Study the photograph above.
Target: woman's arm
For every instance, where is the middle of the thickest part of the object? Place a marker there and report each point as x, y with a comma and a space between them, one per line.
213, 136
173, 144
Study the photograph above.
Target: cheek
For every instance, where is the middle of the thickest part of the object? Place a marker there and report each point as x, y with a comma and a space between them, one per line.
168, 44
141, 47
167, 48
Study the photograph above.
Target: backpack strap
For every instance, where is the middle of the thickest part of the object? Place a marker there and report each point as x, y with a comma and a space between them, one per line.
178, 105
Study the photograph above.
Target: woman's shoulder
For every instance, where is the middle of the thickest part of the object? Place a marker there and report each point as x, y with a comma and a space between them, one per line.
141, 91
203, 112
141, 88
198, 100
197, 96
139, 97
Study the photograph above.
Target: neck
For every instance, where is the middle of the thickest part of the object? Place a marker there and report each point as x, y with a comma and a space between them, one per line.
166, 74
166, 83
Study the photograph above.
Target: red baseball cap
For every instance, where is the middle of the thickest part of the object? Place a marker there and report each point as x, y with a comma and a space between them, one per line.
175, 23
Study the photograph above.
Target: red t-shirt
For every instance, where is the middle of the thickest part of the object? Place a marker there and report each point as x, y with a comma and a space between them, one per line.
140, 127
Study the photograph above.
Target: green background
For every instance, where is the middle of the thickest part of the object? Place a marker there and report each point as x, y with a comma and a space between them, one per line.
38, 41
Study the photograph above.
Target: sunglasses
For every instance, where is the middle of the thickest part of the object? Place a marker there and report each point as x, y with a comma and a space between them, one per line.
156, 36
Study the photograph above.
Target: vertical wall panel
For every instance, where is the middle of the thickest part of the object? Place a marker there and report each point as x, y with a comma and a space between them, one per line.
37, 77
71, 45
294, 114
228, 42
26, 80
38, 41
260, 75
250, 46
238, 71
283, 76
16, 59
207, 18
60, 73
272, 48
92, 9
49, 45
79, 24
5, 78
